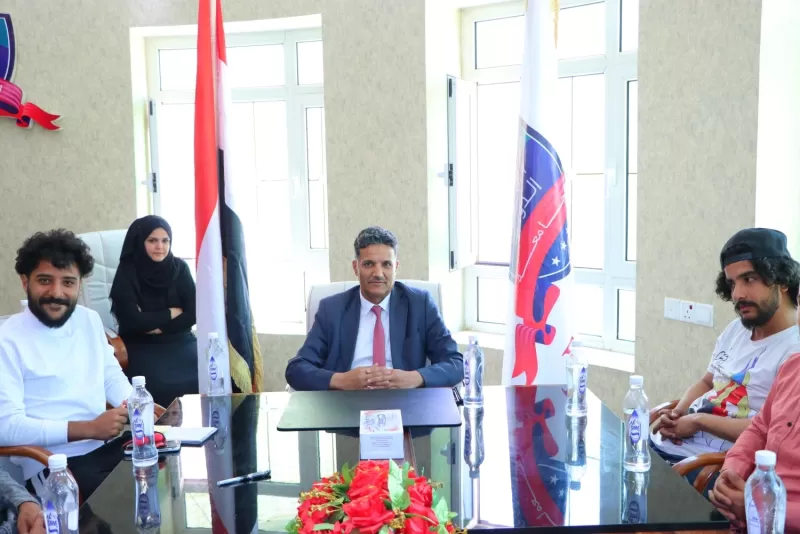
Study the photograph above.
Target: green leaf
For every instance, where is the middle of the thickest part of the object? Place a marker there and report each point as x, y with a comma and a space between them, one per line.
347, 474
340, 488
402, 502
442, 529
406, 469
441, 510
384, 529
337, 516
291, 526
388, 504
396, 488
323, 526
451, 515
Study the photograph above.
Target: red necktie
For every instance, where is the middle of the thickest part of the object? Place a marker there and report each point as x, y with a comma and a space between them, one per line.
378, 339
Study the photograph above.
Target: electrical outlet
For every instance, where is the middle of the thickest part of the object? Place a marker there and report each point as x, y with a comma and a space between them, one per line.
687, 311
672, 309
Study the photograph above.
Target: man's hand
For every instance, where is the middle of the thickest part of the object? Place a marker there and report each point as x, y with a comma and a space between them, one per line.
174, 312
728, 497
666, 422
686, 426
375, 377
399, 379
30, 519
109, 424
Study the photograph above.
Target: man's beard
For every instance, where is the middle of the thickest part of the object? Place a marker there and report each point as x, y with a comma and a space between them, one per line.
765, 310
37, 309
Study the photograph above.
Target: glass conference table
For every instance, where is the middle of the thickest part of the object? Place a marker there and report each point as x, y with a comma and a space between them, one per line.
517, 463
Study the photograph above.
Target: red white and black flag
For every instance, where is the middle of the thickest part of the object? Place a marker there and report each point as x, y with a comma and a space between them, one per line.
223, 297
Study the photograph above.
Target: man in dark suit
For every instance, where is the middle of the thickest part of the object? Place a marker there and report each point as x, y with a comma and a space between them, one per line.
379, 334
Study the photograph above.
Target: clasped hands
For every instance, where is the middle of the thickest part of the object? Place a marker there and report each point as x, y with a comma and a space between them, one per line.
675, 425
376, 377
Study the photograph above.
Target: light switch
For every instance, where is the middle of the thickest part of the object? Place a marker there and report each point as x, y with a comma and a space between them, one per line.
672, 309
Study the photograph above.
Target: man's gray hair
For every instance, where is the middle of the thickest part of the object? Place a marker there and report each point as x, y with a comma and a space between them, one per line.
374, 235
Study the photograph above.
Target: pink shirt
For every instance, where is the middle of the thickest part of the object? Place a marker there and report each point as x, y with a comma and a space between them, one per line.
775, 429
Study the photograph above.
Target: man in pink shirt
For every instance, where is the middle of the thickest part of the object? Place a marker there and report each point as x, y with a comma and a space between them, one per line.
772, 429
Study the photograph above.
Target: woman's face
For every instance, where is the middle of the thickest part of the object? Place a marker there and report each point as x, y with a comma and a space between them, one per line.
157, 244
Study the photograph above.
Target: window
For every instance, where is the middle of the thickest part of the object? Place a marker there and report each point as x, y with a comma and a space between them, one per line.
597, 143
277, 144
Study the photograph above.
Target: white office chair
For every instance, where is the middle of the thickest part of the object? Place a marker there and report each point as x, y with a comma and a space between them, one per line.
106, 247
321, 291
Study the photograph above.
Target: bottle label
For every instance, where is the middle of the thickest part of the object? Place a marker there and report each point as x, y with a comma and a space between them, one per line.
138, 426
144, 505
466, 375
51, 518
582, 382
634, 428
753, 521
212, 368
634, 516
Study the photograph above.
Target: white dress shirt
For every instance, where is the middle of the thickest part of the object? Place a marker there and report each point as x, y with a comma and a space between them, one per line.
50, 376
366, 332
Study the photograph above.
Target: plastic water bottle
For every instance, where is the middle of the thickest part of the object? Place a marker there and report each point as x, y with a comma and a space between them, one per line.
473, 374
474, 452
634, 498
141, 415
636, 410
765, 497
214, 353
576, 451
60, 500
147, 517
576, 381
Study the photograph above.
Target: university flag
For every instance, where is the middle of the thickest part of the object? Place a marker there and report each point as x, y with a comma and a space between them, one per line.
539, 332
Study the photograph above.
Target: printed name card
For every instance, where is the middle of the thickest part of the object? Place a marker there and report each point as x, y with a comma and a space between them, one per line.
381, 435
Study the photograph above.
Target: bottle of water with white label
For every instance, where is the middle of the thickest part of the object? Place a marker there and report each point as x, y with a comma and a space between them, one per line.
765, 497
60, 500
576, 381
473, 374
214, 354
141, 415
636, 410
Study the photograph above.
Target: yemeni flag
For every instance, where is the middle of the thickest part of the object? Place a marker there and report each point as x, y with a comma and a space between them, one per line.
223, 297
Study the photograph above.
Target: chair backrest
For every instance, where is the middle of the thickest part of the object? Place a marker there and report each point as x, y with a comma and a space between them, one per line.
321, 291
106, 247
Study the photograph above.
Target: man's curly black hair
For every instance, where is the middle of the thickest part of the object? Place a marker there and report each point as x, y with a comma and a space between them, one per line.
773, 271
60, 247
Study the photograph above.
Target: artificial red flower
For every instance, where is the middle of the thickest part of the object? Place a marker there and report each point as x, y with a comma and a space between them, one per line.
310, 510
421, 492
368, 514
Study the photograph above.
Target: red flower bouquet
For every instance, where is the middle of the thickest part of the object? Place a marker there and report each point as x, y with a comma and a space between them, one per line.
373, 498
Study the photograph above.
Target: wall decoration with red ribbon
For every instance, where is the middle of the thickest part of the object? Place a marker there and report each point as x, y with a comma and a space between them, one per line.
11, 97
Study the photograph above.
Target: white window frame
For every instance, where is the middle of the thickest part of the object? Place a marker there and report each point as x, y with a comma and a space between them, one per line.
298, 98
619, 68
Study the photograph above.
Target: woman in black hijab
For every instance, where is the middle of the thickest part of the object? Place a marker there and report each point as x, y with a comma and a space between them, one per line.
153, 299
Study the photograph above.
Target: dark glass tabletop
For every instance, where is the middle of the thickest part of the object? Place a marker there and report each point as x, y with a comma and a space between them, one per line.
515, 463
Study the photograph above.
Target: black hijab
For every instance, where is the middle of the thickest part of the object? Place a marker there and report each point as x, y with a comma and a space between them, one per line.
158, 274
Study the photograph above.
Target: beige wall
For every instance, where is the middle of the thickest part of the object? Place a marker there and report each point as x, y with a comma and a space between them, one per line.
698, 118
77, 62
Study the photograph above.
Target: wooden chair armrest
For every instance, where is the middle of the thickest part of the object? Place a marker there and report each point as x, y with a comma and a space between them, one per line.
664, 406
28, 451
120, 352
703, 478
687, 465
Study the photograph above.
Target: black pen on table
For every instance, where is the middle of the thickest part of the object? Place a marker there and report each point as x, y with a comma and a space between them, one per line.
246, 479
